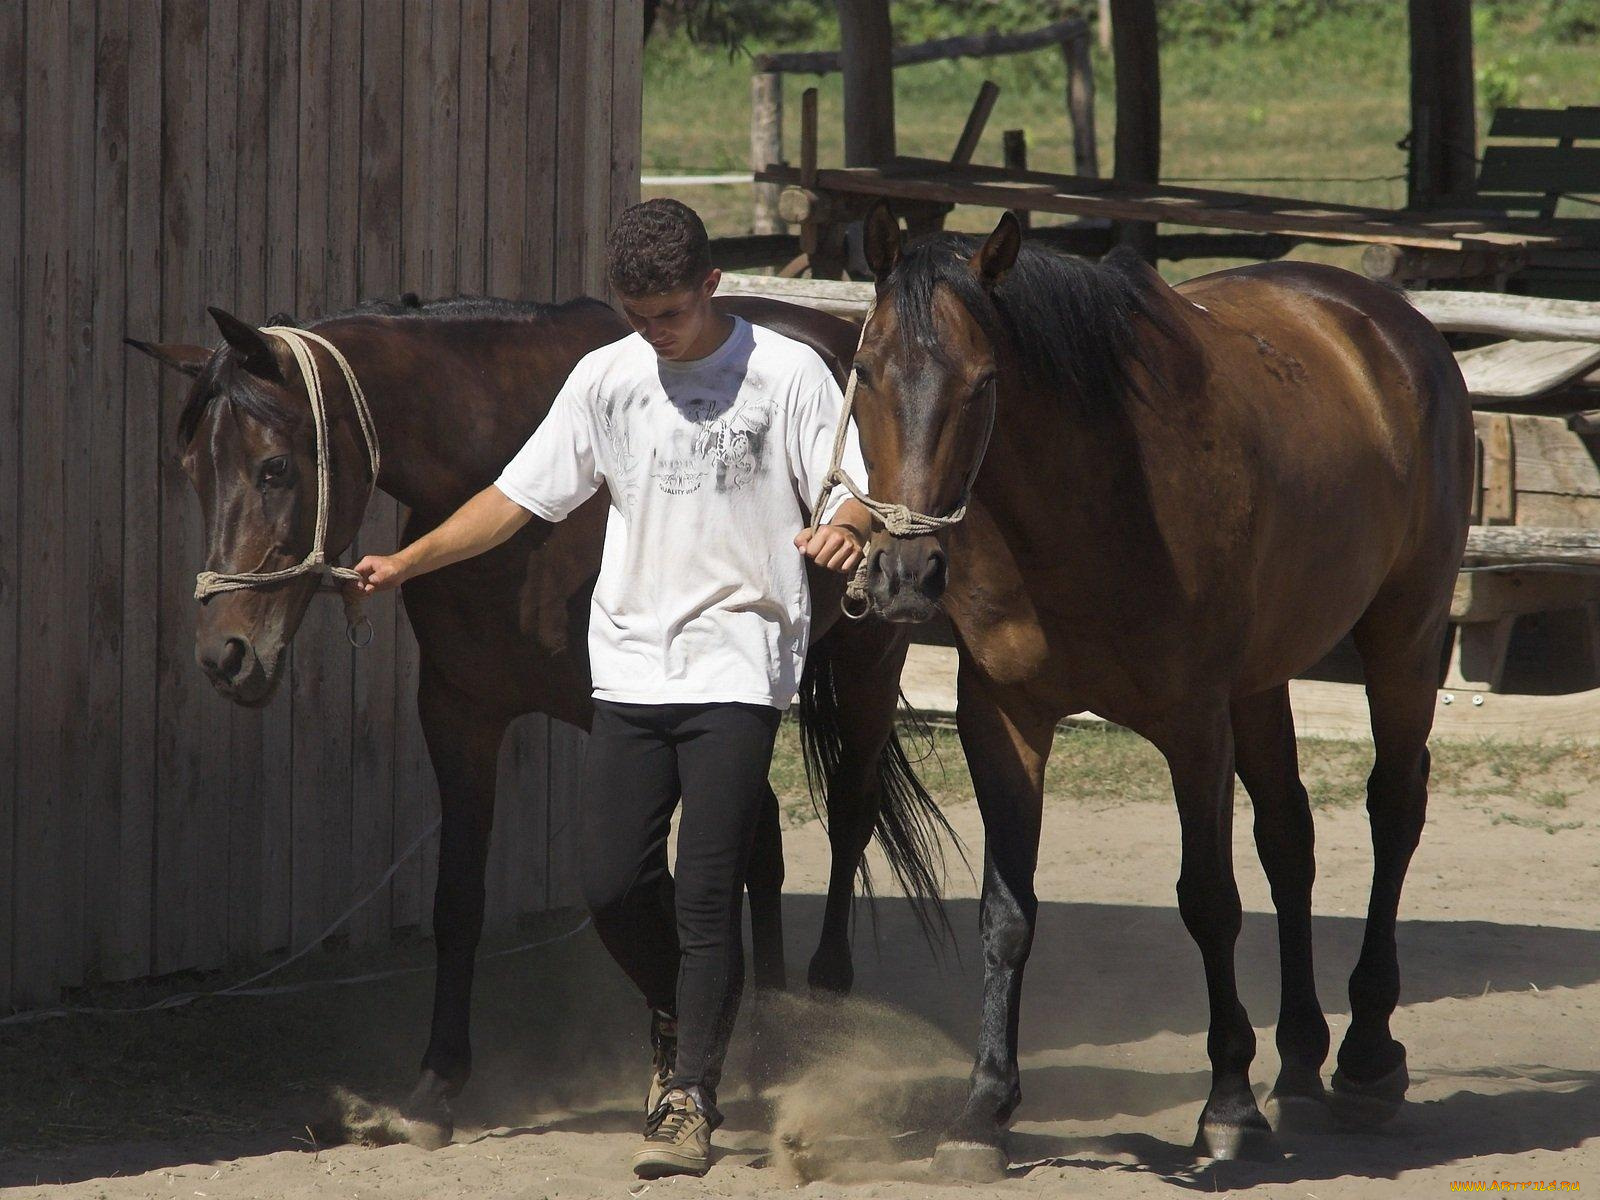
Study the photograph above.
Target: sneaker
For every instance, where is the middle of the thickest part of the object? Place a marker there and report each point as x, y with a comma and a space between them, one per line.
663, 1057
677, 1139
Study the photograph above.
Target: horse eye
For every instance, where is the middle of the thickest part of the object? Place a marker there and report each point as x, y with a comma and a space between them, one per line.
275, 469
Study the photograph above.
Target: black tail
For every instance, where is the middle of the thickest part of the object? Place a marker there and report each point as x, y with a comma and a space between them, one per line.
910, 828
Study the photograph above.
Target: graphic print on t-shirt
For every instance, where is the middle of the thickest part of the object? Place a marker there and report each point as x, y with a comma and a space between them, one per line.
730, 445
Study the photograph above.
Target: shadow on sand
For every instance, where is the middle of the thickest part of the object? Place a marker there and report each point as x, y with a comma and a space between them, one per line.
560, 1043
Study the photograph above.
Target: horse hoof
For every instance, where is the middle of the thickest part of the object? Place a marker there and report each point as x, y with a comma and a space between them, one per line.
1227, 1141
425, 1118
829, 979
1360, 1105
1293, 1112
1299, 1103
970, 1162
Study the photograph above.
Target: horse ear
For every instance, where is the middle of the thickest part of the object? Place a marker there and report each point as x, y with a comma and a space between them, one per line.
191, 360
999, 253
252, 346
881, 240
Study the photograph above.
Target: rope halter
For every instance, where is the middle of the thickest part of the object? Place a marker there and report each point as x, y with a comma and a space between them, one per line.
210, 583
898, 520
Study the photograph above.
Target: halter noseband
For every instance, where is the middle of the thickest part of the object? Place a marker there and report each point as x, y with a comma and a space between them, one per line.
210, 583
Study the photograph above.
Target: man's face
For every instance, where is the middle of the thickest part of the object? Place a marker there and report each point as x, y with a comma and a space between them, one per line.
674, 323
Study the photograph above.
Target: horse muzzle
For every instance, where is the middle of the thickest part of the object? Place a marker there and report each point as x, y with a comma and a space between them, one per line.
236, 669
906, 577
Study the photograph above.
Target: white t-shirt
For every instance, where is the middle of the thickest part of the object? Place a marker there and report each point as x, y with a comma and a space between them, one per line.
711, 466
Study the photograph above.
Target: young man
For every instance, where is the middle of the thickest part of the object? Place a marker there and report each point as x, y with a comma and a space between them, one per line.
712, 436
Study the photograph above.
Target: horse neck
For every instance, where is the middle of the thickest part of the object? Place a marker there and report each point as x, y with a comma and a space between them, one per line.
441, 430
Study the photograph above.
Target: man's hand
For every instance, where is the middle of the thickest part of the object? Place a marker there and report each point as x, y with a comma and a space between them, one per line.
835, 547
380, 573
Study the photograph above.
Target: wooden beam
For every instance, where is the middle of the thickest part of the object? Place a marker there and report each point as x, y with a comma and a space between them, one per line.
1524, 544
983, 45
1526, 318
1443, 119
967, 143
1138, 139
866, 59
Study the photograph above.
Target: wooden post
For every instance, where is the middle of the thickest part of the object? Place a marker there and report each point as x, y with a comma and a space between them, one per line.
866, 60
1080, 105
1443, 119
1138, 142
766, 147
1015, 142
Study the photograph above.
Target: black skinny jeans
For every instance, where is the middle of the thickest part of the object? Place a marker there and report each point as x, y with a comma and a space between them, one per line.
680, 941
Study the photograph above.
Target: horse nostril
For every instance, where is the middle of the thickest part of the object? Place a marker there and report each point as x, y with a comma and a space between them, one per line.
231, 660
933, 574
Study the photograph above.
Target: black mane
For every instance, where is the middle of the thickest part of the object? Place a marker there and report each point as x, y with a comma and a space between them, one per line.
1075, 325
262, 407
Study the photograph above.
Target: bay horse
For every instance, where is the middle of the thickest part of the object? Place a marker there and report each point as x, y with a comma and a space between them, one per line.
1189, 496
455, 387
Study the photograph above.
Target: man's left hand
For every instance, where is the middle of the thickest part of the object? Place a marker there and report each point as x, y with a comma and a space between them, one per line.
835, 547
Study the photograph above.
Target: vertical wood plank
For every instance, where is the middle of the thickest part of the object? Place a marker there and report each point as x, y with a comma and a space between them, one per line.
444, 76
627, 110
471, 163
40, 932
81, 752
103, 483
344, 212
143, 448
415, 804
543, 132
575, 129
508, 145
282, 201
222, 802
321, 665
180, 802
12, 90
373, 748
247, 728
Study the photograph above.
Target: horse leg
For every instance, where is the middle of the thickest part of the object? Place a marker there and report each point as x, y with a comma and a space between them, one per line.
1402, 669
1266, 759
464, 744
865, 662
1200, 756
764, 883
1006, 754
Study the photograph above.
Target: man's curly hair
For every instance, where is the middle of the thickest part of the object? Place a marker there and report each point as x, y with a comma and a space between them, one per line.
657, 247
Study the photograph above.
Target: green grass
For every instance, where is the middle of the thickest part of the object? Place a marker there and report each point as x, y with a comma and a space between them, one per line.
1329, 102
1104, 766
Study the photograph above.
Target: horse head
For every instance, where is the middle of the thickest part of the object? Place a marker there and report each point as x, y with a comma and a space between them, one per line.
248, 444
924, 407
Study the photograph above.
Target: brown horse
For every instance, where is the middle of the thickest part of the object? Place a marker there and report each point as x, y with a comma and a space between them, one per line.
455, 387
1189, 496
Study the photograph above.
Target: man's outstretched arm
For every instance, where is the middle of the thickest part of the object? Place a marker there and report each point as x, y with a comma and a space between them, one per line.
480, 524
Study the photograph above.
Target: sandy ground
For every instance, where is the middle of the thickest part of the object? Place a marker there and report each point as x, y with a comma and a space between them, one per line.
1500, 951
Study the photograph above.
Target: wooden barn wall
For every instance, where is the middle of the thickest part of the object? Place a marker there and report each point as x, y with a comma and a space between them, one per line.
156, 157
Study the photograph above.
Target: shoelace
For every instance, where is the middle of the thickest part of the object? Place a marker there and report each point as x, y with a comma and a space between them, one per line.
670, 1118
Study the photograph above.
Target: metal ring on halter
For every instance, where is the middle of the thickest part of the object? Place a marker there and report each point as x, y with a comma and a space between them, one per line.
855, 615
352, 631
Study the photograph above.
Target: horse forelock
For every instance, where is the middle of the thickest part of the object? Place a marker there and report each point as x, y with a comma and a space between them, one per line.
1074, 327
223, 382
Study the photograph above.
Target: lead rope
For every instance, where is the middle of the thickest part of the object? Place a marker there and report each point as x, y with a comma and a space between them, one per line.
897, 519
210, 583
